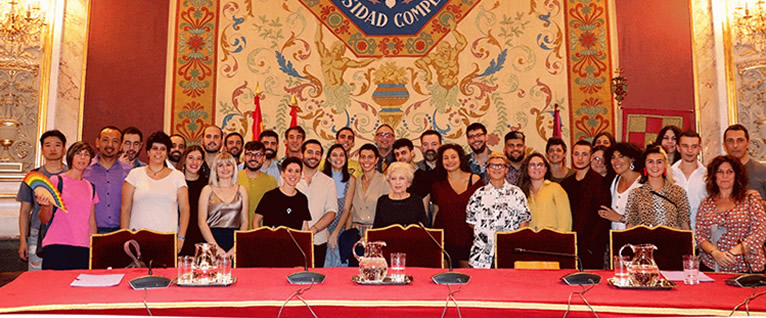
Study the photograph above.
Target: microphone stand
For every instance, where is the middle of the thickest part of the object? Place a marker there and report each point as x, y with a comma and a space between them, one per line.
573, 279
304, 277
446, 278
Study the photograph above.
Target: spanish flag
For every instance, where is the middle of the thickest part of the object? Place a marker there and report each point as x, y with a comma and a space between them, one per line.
257, 117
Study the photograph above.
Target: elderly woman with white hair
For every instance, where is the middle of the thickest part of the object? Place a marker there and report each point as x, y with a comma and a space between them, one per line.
399, 206
658, 201
223, 204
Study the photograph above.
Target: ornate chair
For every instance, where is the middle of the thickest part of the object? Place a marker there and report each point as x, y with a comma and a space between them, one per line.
107, 250
671, 244
420, 249
546, 240
267, 247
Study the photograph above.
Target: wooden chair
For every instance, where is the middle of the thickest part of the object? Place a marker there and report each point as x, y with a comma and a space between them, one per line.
671, 244
267, 247
546, 240
107, 250
421, 250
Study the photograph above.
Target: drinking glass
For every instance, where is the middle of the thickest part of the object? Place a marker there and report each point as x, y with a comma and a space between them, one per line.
224, 269
185, 269
691, 269
620, 264
398, 262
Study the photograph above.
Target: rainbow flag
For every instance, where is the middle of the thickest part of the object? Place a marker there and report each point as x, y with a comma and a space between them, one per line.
37, 180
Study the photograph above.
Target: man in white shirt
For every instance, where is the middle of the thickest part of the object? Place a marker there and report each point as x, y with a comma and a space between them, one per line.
689, 173
323, 199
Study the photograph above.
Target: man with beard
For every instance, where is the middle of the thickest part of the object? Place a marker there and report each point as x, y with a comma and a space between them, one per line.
108, 174
256, 182
53, 148
430, 141
270, 141
477, 140
587, 192
346, 137
177, 147
384, 139
421, 182
322, 195
211, 141
294, 137
132, 140
515, 150
233, 145
736, 141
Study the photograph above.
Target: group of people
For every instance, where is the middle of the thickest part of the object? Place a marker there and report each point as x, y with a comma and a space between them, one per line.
205, 193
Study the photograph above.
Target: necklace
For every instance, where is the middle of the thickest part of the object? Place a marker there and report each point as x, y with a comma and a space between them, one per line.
154, 173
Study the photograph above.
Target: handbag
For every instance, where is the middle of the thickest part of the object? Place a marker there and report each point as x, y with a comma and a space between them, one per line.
45, 226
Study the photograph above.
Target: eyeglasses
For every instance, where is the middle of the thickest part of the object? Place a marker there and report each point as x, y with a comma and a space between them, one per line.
254, 154
385, 134
474, 136
496, 165
598, 159
537, 165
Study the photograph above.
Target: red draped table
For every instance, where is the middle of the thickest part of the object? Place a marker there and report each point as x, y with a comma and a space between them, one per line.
261, 293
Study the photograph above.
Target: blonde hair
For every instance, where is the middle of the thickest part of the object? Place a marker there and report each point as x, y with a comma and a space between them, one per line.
222, 158
405, 168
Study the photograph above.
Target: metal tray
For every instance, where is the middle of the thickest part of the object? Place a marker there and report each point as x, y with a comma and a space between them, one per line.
229, 283
386, 281
662, 284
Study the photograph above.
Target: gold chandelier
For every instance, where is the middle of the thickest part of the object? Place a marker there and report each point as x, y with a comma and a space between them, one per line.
18, 21
750, 25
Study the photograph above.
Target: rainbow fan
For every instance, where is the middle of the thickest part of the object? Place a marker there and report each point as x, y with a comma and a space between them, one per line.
42, 186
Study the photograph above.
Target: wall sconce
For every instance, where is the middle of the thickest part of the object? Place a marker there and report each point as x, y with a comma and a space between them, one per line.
619, 87
749, 24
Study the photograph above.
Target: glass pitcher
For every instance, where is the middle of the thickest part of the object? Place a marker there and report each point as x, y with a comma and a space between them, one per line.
204, 268
642, 270
372, 266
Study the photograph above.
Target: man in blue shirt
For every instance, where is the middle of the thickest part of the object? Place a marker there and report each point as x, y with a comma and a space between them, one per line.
108, 174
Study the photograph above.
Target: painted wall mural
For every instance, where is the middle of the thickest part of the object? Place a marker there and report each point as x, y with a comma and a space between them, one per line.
502, 63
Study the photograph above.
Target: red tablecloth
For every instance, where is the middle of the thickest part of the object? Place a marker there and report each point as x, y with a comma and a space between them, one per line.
261, 292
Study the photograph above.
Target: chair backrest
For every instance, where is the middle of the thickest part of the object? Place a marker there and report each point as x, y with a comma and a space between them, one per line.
671, 244
545, 240
535, 265
107, 250
420, 249
267, 247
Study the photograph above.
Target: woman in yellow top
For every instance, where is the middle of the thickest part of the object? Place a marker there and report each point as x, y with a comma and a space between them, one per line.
548, 202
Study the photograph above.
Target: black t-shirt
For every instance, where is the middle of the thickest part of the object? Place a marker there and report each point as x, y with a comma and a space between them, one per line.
421, 183
404, 212
279, 209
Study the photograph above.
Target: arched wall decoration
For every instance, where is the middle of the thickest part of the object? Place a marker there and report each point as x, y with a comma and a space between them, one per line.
506, 64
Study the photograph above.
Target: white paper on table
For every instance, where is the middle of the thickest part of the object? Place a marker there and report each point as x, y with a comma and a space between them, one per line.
86, 280
678, 276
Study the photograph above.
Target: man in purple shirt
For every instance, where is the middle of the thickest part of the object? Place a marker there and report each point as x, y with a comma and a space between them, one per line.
108, 174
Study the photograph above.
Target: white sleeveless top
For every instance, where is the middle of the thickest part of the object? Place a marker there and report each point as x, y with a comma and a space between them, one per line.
620, 200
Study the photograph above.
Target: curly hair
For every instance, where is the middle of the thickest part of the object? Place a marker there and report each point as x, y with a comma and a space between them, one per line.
440, 172
525, 183
739, 190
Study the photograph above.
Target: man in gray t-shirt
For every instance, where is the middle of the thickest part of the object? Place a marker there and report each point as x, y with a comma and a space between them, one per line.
737, 140
52, 146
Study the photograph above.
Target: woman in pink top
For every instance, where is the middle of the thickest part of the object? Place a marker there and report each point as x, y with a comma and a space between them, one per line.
67, 243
